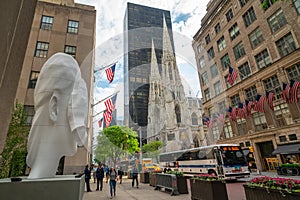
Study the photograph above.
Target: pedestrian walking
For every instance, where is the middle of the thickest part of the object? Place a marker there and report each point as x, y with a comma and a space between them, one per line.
113, 178
100, 176
106, 173
135, 173
87, 176
120, 174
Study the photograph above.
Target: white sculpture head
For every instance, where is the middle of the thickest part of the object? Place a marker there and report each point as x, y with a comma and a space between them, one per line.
59, 124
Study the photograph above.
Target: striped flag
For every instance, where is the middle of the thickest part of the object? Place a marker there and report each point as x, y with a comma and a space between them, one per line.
110, 103
110, 73
286, 92
232, 75
240, 111
220, 118
259, 103
107, 118
100, 122
294, 91
232, 113
270, 97
249, 105
208, 122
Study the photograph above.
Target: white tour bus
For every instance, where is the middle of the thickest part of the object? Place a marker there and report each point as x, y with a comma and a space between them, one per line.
223, 160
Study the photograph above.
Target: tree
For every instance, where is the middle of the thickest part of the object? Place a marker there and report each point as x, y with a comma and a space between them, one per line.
152, 149
114, 141
15, 150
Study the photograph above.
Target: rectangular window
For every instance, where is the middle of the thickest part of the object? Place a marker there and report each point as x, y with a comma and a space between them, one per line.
217, 28
244, 70
241, 126
229, 15
46, 23
227, 84
228, 130
202, 62
225, 61
297, 5
256, 38
207, 94
282, 138
33, 79
29, 112
251, 93
73, 26
265, 4
204, 78
218, 87
294, 72
263, 59
41, 49
292, 137
243, 2
286, 45
280, 111
221, 43
171, 136
234, 31
249, 17
259, 121
211, 53
272, 85
248, 144
222, 106
235, 100
214, 71
207, 39
199, 48
276, 21
239, 51
71, 50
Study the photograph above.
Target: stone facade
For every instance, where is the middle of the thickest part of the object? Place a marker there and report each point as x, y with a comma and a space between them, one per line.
169, 120
60, 26
263, 45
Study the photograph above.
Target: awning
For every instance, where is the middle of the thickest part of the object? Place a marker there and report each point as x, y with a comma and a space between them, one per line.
287, 149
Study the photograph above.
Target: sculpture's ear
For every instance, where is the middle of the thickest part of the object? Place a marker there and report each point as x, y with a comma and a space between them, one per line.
53, 108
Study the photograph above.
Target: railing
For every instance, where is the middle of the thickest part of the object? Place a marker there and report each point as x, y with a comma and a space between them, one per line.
167, 181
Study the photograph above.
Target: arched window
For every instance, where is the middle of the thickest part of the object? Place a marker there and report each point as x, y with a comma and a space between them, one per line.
196, 142
178, 114
194, 119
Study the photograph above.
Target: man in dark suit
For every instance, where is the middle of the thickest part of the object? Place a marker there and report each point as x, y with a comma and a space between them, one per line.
100, 176
87, 175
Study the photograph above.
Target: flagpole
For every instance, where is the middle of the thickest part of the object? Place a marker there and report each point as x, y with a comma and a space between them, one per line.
105, 98
107, 66
99, 113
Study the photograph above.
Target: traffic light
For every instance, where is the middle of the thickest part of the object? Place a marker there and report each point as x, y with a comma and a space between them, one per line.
251, 149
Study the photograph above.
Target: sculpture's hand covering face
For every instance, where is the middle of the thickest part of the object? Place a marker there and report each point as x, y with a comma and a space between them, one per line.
78, 111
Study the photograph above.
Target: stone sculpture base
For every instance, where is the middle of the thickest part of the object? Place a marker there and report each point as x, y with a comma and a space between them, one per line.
66, 187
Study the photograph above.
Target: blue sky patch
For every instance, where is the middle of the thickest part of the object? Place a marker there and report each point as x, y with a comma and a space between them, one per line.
182, 17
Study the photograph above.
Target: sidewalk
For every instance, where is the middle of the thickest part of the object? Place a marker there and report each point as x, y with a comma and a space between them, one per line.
125, 191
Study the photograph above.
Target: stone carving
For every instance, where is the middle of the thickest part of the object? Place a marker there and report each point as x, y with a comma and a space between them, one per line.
61, 109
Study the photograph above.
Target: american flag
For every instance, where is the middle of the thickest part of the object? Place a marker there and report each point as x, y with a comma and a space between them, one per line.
100, 122
241, 112
232, 75
110, 103
270, 97
107, 118
286, 92
232, 113
259, 103
110, 72
220, 117
294, 91
249, 105
208, 122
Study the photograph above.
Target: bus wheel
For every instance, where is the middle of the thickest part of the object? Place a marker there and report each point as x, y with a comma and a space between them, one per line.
212, 172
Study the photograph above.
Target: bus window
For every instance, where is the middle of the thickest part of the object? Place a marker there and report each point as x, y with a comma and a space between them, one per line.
233, 156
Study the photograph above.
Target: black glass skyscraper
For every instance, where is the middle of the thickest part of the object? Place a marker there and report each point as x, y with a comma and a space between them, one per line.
141, 25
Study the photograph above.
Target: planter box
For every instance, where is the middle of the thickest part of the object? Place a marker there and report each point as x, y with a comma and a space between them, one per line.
208, 190
258, 193
144, 177
177, 184
152, 179
289, 171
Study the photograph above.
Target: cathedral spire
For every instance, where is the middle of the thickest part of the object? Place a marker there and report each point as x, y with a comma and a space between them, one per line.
154, 76
167, 46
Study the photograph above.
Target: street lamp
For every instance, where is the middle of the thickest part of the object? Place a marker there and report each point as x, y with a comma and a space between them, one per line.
141, 153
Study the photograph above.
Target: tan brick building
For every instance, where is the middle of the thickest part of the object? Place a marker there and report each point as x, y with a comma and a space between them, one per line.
261, 40
60, 26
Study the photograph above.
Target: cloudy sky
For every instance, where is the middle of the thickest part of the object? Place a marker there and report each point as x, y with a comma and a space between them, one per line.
186, 18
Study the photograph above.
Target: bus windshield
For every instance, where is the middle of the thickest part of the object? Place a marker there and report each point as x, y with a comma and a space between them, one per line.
233, 155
